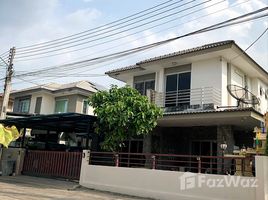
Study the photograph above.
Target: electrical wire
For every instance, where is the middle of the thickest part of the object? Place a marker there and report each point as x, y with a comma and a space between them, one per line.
134, 50
18, 59
105, 25
259, 37
101, 51
96, 30
35, 53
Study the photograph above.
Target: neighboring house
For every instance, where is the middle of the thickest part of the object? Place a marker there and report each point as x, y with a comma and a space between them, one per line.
199, 113
55, 98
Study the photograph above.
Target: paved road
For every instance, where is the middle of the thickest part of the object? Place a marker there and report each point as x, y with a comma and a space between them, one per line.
35, 188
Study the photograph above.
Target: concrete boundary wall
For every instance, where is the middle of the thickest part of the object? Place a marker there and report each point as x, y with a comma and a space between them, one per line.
262, 175
172, 185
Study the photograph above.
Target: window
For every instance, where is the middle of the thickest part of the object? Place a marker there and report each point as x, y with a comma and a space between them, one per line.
61, 106
24, 105
178, 89
143, 86
85, 106
38, 105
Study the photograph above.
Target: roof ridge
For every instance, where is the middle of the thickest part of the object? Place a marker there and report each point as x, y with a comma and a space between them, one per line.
176, 53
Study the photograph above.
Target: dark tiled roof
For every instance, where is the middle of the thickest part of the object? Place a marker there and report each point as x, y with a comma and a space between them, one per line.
122, 69
186, 51
178, 53
210, 111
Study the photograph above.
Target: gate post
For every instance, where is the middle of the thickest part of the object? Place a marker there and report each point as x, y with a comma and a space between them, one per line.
84, 163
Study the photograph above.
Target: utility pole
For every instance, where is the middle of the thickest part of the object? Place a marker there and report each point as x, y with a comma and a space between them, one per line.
7, 86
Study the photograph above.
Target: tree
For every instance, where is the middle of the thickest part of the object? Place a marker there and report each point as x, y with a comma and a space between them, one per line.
123, 113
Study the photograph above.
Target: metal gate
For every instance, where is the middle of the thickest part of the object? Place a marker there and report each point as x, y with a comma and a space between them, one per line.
53, 164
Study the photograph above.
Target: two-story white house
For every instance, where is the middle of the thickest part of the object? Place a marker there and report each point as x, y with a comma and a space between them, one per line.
199, 112
55, 98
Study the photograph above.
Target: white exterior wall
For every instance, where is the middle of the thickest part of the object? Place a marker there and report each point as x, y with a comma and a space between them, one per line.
215, 73
256, 87
167, 185
237, 78
33, 101
207, 73
224, 81
130, 82
48, 104
160, 81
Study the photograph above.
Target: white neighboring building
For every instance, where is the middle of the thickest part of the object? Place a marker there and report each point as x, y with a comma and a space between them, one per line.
191, 86
55, 98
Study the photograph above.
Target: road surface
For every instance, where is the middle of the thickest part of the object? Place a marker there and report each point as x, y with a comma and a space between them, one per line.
36, 188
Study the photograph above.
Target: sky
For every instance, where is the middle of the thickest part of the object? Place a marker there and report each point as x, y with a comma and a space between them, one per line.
29, 22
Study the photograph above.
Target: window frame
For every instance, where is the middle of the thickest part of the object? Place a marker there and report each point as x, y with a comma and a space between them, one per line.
177, 74
144, 83
66, 105
87, 106
20, 105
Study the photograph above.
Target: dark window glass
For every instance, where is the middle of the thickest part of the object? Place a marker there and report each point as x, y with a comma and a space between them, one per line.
140, 87
178, 90
149, 85
171, 83
38, 105
184, 82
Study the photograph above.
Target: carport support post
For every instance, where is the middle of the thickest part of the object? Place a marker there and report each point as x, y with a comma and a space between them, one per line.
23, 138
88, 133
47, 135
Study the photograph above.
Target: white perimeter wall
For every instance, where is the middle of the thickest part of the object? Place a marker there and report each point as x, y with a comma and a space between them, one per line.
160, 184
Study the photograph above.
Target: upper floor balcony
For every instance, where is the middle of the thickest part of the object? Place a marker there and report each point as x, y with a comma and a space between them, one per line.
194, 99
205, 98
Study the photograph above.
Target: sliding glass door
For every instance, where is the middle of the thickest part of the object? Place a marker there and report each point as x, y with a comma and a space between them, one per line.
143, 86
178, 90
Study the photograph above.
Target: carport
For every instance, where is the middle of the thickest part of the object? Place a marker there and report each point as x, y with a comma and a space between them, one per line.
48, 158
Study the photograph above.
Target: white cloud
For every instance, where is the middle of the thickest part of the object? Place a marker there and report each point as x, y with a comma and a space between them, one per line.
82, 18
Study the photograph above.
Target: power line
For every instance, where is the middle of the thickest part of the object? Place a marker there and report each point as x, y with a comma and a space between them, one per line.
63, 74
105, 25
105, 42
135, 50
131, 51
256, 40
103, 28
259, 37
37, 52
101, 51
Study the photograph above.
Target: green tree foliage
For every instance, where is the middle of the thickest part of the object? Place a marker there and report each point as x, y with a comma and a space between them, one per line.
123, 113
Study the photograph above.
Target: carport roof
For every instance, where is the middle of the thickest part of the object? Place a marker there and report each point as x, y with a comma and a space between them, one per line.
64, 122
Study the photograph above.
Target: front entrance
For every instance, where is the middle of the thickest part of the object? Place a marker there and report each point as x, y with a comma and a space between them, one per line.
132, 149
204, 148
207, 148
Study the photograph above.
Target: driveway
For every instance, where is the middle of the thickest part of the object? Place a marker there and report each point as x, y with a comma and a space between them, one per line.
36, 188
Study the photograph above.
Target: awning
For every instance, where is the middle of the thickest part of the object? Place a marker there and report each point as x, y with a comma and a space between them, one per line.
64, 122
243, 118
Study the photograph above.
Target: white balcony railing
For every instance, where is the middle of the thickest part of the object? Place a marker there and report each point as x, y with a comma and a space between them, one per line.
197, 98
